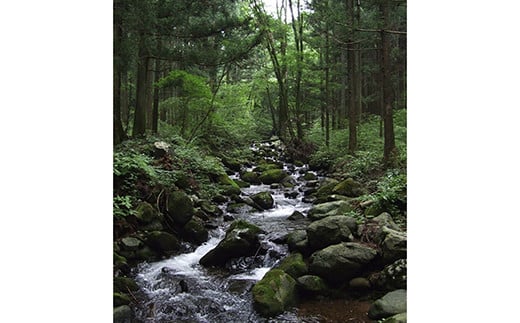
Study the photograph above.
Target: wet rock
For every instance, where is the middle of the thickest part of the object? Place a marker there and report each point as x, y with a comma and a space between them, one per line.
312, 284
326, 187
272, 176
263, 199
120, 264
390, 304
274, 186
219, 199
263, 166
210, 209
228, 218
297, 241
224, 179
331, 230
229, 190
238, 208
293, 265
241, 240
195, 231
274, 293
295, 216
162, 242
394, 245
323, 210
310, 176
130, 244
232, 163
291, 195
341, 262
179, 208
250, 177
123, 314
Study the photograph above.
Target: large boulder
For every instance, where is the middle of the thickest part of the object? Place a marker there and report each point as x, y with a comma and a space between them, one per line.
274, 293
372, 230
390, 304
163, 242
179, 208
293, 265
331, 230
341, 262
271, 176
349, 187
397, 318
241, 240
124, 285
323, 210
263, 199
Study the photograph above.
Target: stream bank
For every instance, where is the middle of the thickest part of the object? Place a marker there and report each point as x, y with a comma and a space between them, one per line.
299, 213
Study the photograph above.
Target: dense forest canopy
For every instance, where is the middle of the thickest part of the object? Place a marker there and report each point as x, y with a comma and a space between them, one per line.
234, 71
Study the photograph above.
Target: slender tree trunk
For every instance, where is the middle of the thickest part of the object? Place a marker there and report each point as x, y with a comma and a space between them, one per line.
118, 132
390, 150
125, 108
327, 92
155, 111
140, 106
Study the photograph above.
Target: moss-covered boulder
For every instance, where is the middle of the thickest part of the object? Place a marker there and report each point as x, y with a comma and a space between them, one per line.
349, 187
238, 208
295, 216
341, 262
331, 230
241, 240
310, 176
250, 177
179, 208
194, 231
274, 293
323, 210
311, 284
272, 176
232, 163
293, 265
163, 242
120, 263
263, 166
210, 208
146, 213
391, 304
124, 284
224, 179
229, 190
326, 188
263, 199
130, 244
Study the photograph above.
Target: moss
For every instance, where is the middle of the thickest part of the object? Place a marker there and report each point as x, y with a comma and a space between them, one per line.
195, 231
274, 293
180, 207
272, 176
349, 187
121, 299
294, 265
146, 213
163, 242
225, 180
250, 177
123, 284
262, 167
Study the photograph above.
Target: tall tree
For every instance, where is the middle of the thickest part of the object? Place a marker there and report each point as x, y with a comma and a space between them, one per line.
118, 132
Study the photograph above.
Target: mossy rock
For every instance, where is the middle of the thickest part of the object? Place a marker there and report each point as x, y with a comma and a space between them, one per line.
238, 208
309, 176
124, 284
263, 199
130, 244
262, 167
242, 184
250, 177
225, 180
297, 241
349, 187
326, 188
274, 293
148, 254
121, 299
146, 213
195, 231
179, 208
323, 210
293, 265
241, 240
210, 208
220, 199
390, 304
295, 216
331, 230
229, 190
397, 318
272, 176
232, 163
163, 242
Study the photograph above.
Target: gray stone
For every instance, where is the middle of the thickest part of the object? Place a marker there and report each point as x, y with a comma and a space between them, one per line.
130, 243
331, 230
179, 208
341, 262
320, 211
274, 293
394, 245
295, 216
397, 318
263, 199
123, 314
297, 241
390, 304
312, 284
392, 276
359, 283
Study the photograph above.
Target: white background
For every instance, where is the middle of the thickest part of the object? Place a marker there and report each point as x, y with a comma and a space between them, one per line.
56, 161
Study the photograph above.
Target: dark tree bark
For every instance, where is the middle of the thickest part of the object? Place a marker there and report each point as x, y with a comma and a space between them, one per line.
118, 132
140, 106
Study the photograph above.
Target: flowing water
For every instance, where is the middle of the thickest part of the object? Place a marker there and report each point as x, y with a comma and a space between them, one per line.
180, 290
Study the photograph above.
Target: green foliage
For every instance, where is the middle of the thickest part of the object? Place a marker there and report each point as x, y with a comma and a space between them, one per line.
123, 206
132, 163
189, 85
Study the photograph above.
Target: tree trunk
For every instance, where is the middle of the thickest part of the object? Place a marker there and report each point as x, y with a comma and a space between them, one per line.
118, 132
390, 150
352, 77
140, 105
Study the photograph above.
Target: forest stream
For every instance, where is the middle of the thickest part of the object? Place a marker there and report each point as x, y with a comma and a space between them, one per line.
179, 289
